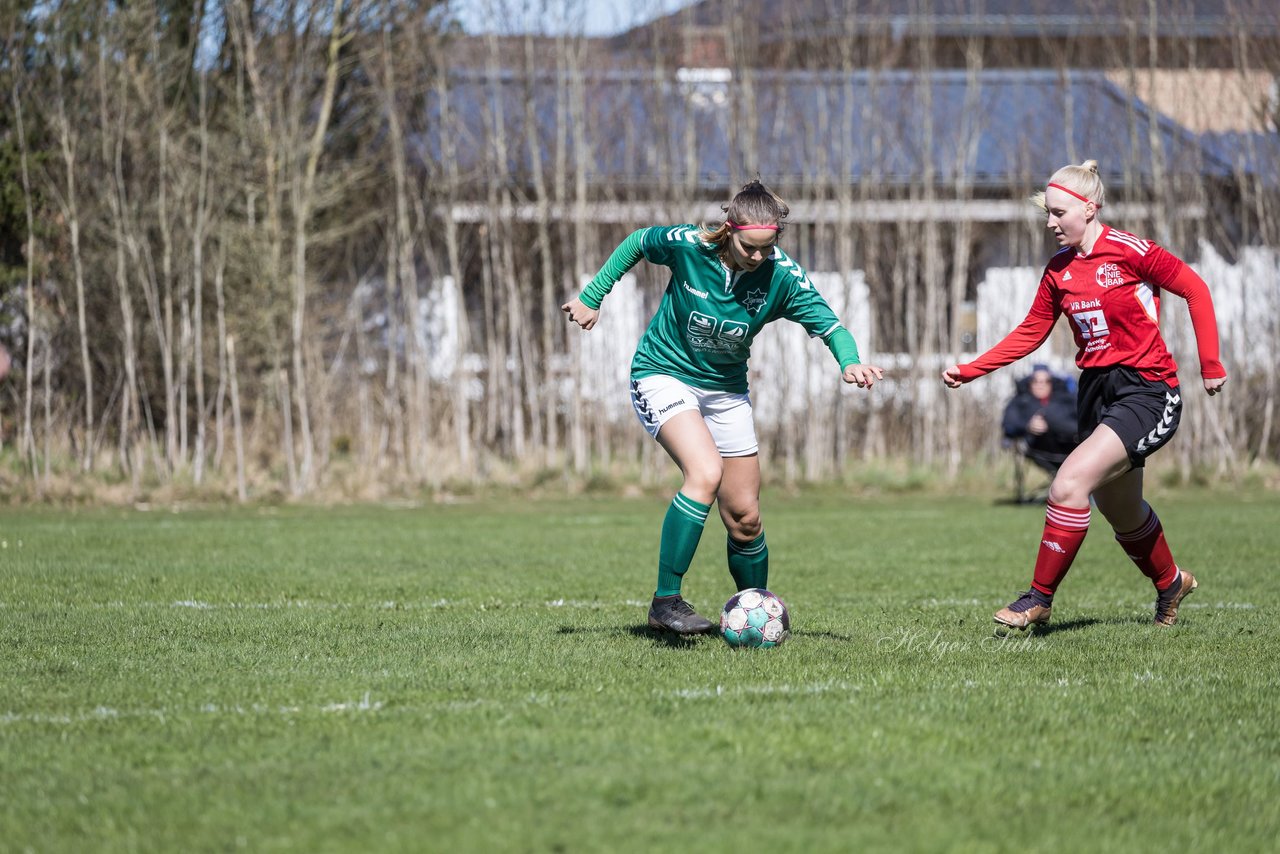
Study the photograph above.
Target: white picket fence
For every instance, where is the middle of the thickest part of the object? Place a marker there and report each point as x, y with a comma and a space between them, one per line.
792, 374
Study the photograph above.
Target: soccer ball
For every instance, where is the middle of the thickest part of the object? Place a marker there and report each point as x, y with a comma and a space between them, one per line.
755, 618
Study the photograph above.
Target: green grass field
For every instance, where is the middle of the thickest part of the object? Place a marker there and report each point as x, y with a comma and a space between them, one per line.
479, 678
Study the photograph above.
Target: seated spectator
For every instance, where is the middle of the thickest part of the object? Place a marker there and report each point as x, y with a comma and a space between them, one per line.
1041, 419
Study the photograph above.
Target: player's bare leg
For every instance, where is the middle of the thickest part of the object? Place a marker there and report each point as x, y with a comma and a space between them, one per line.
687, 440
1098, 460
1094, 463
1140, 534
1120, 500
739, 502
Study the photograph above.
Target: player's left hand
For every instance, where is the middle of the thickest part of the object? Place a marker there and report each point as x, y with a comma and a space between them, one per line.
1213, 386
581, 313
863, 376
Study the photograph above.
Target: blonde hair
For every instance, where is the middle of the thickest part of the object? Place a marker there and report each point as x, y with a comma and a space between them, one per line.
1082, 179
755, 204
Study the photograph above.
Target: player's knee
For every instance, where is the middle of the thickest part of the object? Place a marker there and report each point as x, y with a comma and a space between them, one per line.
746, 526
704, 478
1069, 490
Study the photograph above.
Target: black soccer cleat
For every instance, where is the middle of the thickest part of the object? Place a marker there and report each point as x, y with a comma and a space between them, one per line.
673, 614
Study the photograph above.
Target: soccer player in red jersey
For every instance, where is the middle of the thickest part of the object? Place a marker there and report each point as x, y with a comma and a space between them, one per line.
1108, 282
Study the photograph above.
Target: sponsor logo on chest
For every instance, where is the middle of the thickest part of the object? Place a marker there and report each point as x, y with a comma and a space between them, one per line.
707, 334
1108, 275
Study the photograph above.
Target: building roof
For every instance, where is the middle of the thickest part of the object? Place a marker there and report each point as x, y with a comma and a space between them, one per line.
994, 129
1254, 155
1087, 34
1007, 18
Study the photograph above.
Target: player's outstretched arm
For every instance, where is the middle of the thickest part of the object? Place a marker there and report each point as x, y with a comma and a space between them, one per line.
863, 376
581, 313
1188, 285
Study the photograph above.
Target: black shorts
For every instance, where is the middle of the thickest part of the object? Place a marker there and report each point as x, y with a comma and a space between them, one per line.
1143, 413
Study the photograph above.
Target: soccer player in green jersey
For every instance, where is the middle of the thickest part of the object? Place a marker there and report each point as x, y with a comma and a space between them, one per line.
689, 375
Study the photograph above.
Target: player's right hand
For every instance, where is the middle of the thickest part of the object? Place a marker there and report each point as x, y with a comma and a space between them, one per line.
951, 376
580, 313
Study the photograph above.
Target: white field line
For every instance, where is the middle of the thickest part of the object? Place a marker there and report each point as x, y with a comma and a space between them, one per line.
784, 689
106, 713
1096, 604
305, 604
738, 692
366, 705
497, 604
716, 693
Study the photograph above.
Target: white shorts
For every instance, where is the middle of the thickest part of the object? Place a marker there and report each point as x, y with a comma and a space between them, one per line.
727, 414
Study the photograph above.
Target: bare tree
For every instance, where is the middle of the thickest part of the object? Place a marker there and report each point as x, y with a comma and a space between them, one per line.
28, 444
69, 202
352, 160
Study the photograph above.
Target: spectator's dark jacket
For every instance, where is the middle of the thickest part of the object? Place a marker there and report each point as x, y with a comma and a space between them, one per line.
1059, 412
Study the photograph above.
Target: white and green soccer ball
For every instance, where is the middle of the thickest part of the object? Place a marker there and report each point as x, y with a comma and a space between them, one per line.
755, 618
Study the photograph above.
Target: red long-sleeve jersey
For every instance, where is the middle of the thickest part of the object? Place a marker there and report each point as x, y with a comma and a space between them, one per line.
1112, 296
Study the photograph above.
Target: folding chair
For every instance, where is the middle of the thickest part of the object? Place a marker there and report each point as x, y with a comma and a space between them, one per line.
1044, 461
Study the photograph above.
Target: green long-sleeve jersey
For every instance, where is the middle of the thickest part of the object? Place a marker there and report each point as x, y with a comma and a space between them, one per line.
709, 314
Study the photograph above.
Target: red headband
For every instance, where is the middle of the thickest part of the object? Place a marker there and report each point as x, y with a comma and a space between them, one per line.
1071, 192
737, 227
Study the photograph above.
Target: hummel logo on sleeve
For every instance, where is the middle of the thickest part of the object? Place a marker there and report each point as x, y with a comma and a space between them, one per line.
688, 235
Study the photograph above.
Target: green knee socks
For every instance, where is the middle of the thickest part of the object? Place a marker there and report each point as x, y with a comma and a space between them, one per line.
681, 530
